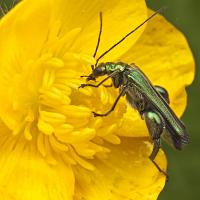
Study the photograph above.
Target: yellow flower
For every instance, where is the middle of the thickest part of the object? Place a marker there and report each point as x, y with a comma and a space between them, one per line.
51, 146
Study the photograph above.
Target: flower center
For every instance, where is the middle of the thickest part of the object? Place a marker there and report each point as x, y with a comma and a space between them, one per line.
44, 104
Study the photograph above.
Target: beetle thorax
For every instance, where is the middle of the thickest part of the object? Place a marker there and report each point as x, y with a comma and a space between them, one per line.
112, 67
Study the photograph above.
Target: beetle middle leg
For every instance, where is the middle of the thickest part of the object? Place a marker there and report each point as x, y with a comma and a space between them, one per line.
108, 86
163, 92
122, 92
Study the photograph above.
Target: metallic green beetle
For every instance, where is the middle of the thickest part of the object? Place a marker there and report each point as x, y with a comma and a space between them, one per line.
152, 102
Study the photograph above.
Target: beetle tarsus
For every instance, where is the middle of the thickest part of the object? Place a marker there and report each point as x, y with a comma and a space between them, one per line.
107, 86
86, 85
99, 115
160, 170
82, 86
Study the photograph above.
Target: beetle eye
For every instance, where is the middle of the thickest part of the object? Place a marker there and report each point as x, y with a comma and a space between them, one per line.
100, 71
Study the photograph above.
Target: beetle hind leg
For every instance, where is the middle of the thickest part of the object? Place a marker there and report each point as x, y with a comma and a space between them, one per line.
155, 125
156, 147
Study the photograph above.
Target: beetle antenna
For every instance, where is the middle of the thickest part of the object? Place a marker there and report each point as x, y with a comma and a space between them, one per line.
99, 38
135, 29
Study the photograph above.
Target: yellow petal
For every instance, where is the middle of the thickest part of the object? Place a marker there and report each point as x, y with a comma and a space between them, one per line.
127, 173
118, 20
21, 39
163, 54
32, 26
132, 125
27, 19
25, 175
46, 34
41, 18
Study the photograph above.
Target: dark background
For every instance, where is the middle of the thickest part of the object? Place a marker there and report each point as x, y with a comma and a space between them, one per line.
184, 167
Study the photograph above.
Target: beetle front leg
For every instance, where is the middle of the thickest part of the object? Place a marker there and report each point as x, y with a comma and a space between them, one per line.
100, 83
91, 85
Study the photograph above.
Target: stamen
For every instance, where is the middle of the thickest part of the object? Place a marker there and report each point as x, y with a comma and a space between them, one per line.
104, 96
62, 87
52, 117
81, 161
27, 132
77, 136
58, 145
84, 150
47, 107
19, 128
76, 111
108, 130
112, 139
45, 127
49, 157
64, 129
83, 58
48, 78
55, 63
68, 159
40, 144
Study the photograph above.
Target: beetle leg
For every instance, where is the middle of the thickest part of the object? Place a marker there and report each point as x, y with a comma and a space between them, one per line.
163, 92
155, 125
91, 85
114, 104
100, 83
156, 147
107, 86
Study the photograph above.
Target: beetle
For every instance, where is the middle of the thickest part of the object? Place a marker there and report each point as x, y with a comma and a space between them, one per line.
152, 102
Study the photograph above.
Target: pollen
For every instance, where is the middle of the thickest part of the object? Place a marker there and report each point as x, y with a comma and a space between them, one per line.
45, 104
